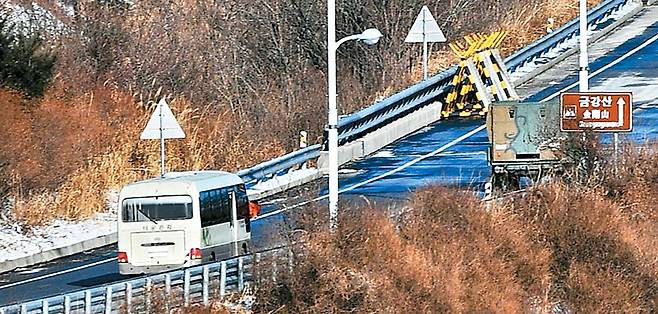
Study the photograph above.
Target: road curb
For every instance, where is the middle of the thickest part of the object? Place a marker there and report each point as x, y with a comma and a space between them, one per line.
58, 252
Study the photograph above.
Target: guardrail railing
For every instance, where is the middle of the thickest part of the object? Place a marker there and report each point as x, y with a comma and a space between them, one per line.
564, 33
161, 292
152, 294
280, 164
434, 89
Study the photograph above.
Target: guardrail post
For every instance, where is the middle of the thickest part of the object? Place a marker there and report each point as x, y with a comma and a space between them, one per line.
129, 297
44, 307
108, 300
222, 280
167, 291
87, 302
274, 270
240, 274
186, 288
23, 308
205, 284
147, 293
67, 304
257, 262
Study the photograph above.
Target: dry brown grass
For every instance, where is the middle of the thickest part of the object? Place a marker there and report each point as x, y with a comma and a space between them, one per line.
587, 247
95, 146
81, 138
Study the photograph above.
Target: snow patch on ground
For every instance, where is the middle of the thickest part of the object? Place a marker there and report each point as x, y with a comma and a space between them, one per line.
17, 242
280, 181
384, 154
30, 20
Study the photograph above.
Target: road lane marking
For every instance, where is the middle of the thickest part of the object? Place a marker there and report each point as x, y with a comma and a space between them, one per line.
57, 273
383, 175
460, 139
607, 66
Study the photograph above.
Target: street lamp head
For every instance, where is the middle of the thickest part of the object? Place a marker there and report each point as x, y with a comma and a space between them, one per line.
370, 36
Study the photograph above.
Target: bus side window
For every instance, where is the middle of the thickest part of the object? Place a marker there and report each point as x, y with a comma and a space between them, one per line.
225, 207
243, 205
205, 207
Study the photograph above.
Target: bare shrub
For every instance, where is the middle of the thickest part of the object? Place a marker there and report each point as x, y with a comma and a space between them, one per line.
448, 263
247, 77
562, 246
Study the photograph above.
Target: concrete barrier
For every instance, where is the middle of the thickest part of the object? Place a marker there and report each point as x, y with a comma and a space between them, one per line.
388, 134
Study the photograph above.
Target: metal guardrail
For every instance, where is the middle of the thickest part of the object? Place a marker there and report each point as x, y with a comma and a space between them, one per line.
564, 33
152, 294
417, 96
160, 293
283, 163
394, 107
432, 90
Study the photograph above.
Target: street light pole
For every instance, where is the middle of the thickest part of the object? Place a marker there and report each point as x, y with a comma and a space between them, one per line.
583, 73
332, 114
370, 36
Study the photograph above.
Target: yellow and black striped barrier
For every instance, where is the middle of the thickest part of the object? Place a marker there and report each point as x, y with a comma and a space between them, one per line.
481, 78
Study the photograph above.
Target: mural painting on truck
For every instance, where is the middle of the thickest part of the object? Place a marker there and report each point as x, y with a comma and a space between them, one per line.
524, 141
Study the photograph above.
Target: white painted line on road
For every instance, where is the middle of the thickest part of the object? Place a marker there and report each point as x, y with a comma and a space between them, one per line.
386, 174
609, 65
411, 163
57, 273
458, 140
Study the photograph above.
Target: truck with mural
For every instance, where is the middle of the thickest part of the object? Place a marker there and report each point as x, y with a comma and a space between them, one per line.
524, 138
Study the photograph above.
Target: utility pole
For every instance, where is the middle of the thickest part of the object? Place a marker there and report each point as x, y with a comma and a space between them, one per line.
583, 73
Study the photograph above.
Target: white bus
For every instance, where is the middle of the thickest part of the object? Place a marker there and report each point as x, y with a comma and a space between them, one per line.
182, 219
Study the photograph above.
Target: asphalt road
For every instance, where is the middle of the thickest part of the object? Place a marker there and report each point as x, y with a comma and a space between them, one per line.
463, 165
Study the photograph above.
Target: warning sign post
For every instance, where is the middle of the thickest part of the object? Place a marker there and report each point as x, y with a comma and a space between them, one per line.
598, 112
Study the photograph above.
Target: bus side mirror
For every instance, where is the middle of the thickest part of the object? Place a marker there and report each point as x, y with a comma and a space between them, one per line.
254, 209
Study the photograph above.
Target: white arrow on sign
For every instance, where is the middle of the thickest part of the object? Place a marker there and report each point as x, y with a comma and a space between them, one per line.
424, 30
162, 124
620, 107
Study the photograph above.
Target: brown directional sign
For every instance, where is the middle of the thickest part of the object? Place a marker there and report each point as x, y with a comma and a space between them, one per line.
598, 112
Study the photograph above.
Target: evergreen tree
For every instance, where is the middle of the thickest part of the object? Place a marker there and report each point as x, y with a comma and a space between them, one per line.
23, 65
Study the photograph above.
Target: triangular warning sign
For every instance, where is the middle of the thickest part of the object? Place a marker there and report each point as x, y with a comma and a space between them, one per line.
425, 24
170, 127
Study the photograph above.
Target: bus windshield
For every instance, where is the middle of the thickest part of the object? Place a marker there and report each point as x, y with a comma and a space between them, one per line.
156, 208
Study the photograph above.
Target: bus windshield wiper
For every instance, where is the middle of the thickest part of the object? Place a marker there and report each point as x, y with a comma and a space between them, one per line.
147, 216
